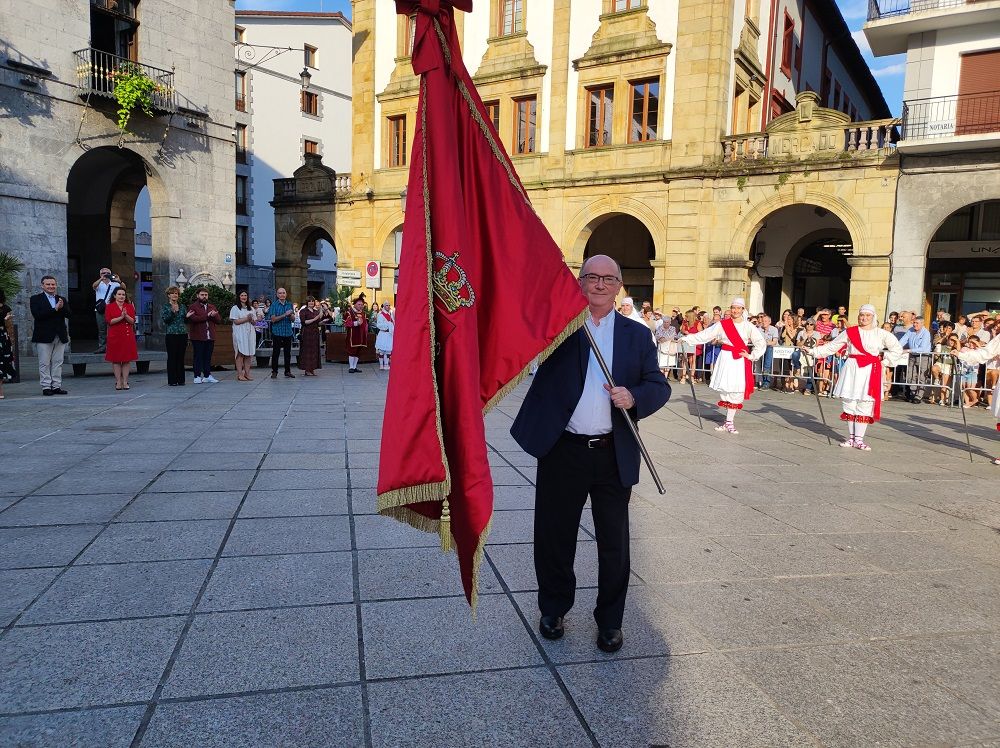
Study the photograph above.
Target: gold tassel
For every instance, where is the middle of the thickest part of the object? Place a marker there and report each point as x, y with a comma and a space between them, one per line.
444, 528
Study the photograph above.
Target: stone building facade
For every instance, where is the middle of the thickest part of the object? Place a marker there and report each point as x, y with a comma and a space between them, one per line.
69, 178
947, 234
681, 137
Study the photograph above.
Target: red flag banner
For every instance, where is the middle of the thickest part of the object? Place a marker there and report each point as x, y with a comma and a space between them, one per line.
483, 290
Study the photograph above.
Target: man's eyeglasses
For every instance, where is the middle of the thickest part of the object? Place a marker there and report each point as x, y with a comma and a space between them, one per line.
608, 280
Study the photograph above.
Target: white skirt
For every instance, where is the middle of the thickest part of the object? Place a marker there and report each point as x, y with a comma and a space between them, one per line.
853, 383
383, 343
729, 377
244, 339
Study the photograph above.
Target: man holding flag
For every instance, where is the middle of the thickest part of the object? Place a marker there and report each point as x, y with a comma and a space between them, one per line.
571, 421
473, 249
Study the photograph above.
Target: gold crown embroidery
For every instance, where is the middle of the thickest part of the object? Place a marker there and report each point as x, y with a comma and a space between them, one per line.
451, 284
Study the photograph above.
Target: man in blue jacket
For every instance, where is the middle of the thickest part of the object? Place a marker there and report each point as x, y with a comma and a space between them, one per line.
570, 421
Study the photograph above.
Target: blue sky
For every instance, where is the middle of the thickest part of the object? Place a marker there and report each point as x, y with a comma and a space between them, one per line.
888, 70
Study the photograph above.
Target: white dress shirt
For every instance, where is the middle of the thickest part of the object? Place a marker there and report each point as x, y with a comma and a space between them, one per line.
593, 412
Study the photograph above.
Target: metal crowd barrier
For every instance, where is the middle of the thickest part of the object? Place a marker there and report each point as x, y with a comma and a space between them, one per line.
929, 374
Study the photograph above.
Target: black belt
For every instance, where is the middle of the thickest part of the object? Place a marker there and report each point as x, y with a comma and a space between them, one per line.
597, 441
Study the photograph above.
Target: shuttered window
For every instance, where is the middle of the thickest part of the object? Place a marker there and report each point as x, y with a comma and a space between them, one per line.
978, 108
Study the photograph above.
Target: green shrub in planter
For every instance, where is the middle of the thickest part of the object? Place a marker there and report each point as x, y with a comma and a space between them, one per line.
217, 295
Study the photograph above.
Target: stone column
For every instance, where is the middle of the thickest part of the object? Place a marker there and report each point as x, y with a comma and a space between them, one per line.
869, 283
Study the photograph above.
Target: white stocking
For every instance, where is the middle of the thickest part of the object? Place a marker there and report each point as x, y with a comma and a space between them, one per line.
352, 362
730, 415
859, 430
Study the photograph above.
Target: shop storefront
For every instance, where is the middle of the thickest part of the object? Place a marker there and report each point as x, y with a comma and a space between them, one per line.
963, 262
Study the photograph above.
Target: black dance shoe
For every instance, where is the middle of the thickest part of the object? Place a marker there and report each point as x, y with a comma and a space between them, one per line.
551, 627
610, 640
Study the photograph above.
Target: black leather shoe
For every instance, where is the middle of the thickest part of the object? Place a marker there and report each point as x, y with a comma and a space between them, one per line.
610, 640
47, 392
289, 375
59, 391
274, 375
551, 627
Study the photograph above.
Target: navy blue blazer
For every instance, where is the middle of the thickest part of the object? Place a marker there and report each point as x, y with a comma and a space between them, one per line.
558, 385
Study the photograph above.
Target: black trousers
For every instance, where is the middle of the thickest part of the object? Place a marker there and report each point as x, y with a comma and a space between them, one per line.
176, 346
566, 476
281, 343
202, 357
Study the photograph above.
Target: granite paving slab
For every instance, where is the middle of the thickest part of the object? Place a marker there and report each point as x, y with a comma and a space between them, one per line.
269, 581
149, 507
120, 591
295, 503
376, 531
312, 480
701, 700
80, 664
64, 510
20, 587
229, 653
289, 535
316, 718
180, 481
422, 637
22, 547
859, 694
156, 541
415, 572
218, 460
93, 728
523, 708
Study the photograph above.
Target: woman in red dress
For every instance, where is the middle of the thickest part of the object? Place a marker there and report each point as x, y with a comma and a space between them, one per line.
122, 349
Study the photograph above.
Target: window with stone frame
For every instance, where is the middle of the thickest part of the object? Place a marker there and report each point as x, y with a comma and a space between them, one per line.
114, 28
618, 6
310, 56
510, 17
242, 189
310, 103
310, 146
410, 35
241, 143
241, 90
493, 112
787, 46
241, 35
600, 107
242, 245
396, 141
644, 110
525, 120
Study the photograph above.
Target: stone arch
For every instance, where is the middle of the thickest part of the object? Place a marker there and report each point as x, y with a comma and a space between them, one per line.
384, 243
586, 221
847, 213
102, 187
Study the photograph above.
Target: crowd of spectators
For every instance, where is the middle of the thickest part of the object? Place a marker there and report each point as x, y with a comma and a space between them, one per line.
931, 374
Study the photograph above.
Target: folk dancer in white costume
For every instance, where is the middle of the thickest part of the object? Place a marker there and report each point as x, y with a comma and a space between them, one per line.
628, 309
732, 375
988, 352
860, 383
385, 321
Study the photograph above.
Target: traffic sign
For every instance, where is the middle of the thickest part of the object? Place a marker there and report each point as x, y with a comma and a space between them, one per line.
373, 274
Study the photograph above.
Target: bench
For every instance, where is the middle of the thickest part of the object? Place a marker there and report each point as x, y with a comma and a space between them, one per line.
79, 361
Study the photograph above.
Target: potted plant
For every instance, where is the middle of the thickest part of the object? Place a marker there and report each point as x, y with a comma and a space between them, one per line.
133, 90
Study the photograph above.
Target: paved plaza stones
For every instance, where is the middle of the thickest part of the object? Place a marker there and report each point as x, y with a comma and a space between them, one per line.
202, 566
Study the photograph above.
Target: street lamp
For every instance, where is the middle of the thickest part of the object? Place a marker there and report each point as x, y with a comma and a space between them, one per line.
402, 200
306, 77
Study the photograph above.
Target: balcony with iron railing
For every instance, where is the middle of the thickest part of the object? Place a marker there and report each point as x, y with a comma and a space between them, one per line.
951, 123
892, 22
97, 72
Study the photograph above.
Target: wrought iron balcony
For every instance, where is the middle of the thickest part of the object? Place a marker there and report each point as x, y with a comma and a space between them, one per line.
878, 9
97, 72
952, 116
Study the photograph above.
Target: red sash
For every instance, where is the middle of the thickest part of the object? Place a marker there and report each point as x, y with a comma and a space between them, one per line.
863, 358
737, 347
388, 317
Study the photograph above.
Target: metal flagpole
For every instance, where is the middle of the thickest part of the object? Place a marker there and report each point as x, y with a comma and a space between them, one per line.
961, 403
628, 419
690, 378
819, 402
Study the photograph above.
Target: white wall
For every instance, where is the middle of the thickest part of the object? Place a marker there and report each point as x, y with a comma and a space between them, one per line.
278, 127
583, 22
951, 44
664, 15
385, 62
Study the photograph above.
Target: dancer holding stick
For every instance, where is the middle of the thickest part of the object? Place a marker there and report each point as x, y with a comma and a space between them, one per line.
980, 356
860, 382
